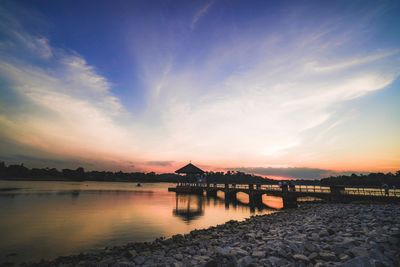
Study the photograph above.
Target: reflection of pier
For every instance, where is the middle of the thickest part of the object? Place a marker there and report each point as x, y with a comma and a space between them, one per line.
229, 202
188, 207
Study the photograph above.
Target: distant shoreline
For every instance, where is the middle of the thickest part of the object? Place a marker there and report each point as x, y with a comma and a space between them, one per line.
20, 172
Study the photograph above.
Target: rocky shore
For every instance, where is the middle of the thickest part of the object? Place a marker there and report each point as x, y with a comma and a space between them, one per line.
312, 235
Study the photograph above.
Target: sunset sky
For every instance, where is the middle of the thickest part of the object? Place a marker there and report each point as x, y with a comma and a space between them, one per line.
282, 88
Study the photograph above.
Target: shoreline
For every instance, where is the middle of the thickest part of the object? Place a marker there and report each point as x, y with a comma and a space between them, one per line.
312, 235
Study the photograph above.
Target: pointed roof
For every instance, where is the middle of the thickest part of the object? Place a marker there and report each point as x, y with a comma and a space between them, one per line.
190, 169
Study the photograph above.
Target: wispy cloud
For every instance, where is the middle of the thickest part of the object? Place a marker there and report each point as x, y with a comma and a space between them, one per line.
200, 13
348, 63
164, 163
62, 106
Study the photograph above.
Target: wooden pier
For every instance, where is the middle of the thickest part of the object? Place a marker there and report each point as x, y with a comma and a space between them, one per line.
291, 194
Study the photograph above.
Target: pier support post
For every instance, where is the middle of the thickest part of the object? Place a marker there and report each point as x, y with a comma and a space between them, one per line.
211, 192
336, 193
255, 199
230, 195
289, 201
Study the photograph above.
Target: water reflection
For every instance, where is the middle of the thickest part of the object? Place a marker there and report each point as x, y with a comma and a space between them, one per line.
49, 219
188, 207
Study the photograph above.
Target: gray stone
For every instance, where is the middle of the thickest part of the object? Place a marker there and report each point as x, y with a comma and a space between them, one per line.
245, 261
314, 236
203, 251
359, 252
312, 256
178, 256
327, 256
301, 257
275, 261
176, 264
258, 254
211, 263
132, 253
123, 264
357, 262
223, 251
309, 246
323, 233
344, 257
139, 260
239, 252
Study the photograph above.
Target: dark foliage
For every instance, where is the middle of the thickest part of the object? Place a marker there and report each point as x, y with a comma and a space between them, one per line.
21, 172
372, 179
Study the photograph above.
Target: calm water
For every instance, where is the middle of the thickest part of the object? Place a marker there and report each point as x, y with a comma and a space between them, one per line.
49, 219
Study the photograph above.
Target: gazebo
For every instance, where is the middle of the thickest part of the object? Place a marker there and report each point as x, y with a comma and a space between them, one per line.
191, 171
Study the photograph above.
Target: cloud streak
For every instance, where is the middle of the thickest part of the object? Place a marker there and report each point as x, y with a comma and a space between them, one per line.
200, 13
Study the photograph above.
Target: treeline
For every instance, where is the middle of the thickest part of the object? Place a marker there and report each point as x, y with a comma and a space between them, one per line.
11, 172
20, 172
372, 179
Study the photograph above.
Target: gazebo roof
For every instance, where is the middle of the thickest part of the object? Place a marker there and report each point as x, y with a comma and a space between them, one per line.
190, 169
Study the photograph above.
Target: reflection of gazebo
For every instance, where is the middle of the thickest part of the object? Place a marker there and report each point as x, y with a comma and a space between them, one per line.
191, 171
184, 208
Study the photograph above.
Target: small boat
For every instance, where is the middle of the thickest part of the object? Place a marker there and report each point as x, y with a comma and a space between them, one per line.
138, 185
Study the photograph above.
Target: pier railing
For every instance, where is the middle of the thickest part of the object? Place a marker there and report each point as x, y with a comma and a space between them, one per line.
359, 191
371, 191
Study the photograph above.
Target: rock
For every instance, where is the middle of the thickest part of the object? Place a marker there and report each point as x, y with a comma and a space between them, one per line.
245, 261
211, 263
330, 231
178, 256
131, 253
323, 233
203, 251
201, 258
250, 236
314, 236
309, 246
359, 252
301, 257
357, 262
123, 264
139, 260
226, 251
378, 263
283, 253
258, 254
393, 240
327, 256
275, 261
240, 252
177, 264
344, 257
312, 256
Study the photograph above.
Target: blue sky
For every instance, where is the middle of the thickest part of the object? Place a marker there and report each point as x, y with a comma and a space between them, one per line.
227, 84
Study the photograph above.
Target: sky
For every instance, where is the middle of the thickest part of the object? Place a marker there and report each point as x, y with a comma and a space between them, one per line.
299, 89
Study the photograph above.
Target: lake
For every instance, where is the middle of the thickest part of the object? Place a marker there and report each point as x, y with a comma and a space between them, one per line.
46, 219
